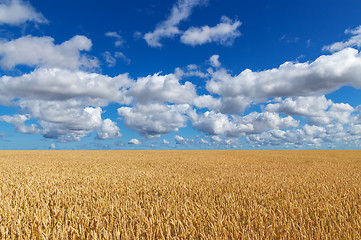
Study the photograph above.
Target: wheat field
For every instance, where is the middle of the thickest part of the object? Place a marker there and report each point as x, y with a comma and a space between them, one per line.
180, 194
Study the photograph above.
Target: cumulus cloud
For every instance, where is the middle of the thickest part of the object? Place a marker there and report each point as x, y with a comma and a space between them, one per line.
59, 100
70, 124
324, 75
304, 106
307, 135
109, 59
328, 123
277, 137
169, 28
263, 121
223, 33
161, 88
16, 12
213, 123
214, 61
63, 131
319, 110
341, 113
166, 142
18, 121
122, 56
62, 99
354, 41
224, 142
41, 51
137, 35
234, 104
60, 84
207, 101
134, 141
108, 130
181, 140
87, 118
216, 139
152, 120
191, 70
119, 40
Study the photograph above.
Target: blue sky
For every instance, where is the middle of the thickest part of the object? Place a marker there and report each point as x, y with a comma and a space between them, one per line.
180, 74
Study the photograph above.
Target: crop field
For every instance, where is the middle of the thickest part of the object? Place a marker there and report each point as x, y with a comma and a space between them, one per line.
180, 194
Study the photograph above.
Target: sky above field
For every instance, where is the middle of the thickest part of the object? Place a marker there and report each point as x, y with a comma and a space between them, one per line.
180, 74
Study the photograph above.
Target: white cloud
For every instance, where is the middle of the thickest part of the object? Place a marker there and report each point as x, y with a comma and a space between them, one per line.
134, 141
137, 35
214, 61
354, 41
112, 34
224, 142
314, 130
190, 71
109, 59
122, 57
52, 146
166, 142
181, 140
260, 122
16, 12
108, 130
223, 33
69, 124
66, 102
326, 74
279, 137
112, 60
161, 88
119, 40
299, 137
59, 100
318, 110
307, 135
18, 121
207, 101
213, 123
152, 120
191, 67
289, 39
236, 104
341, 113
216, 139
59, 84
65, 137
355, 129
330, 123
41, 51
304, 106
169, 28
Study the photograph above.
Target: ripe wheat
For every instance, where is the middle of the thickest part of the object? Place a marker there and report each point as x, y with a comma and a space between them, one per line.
180, 195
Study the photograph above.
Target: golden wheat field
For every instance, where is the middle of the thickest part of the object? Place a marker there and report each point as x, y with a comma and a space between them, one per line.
180, 194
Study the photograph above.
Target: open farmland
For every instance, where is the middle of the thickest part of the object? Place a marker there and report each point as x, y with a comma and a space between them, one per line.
180, 194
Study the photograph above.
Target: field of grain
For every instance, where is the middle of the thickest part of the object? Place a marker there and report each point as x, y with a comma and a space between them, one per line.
180, 194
